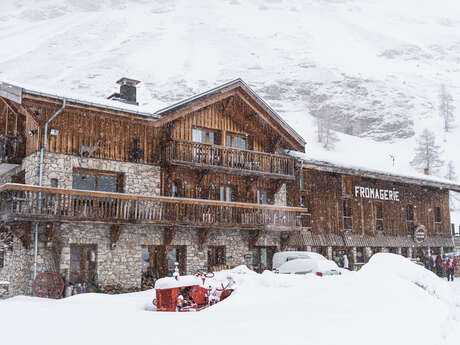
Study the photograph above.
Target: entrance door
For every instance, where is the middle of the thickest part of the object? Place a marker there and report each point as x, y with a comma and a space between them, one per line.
263, 258
83, 264
158, 262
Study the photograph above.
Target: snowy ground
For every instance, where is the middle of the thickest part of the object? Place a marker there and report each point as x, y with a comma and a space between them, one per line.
390, 301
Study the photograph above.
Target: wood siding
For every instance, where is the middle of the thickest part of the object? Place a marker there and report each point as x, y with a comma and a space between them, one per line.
324, 190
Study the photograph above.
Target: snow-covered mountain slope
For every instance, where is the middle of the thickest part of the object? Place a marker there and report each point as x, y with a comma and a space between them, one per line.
378, 64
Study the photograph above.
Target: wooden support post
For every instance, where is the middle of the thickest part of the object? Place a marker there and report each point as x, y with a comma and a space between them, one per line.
168, 236
254, 236
200, 176
51, 229
203, 237
285, 239
24, 228
115, 232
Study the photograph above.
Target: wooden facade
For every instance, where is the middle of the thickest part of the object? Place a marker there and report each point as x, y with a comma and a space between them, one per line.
332, 198
222, 164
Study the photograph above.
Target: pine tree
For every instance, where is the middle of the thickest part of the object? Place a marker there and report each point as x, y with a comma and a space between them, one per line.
451, 175
427, 153
326, 135
446, 108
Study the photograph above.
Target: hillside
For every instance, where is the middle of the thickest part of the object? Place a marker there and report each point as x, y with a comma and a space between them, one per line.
379, 65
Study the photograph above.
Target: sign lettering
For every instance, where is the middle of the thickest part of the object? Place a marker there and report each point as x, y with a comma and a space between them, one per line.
375, 193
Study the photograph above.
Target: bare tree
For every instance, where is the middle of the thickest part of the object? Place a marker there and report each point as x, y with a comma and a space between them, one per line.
446, 108
451, 174
427, 153
324, 119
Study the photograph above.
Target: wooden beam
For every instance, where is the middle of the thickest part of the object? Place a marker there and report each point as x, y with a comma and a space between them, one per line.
227, 105
203, 237
168, 235
254, 236
268, 119
200, 176
115, 232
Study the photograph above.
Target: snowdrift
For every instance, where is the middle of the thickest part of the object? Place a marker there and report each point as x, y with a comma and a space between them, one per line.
390, 301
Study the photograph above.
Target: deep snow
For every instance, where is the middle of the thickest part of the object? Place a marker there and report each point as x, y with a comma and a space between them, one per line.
390, 301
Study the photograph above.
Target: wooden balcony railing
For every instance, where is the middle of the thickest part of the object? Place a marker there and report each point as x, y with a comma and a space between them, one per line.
24, 202
243, 161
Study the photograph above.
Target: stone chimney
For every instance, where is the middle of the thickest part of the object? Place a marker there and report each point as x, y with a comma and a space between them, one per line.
426, 171
127, 92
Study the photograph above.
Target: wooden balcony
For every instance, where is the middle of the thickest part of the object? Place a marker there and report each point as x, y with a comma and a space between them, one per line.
228, 159
31, 203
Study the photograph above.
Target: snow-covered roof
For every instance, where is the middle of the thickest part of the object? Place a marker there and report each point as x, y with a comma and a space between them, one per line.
89, 101
383, 174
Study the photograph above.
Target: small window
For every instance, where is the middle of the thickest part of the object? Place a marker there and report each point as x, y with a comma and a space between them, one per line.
174, 189
216, 256
378, 216
225, 193
302, 181
359, 255
54, 182
346, 185
2, 258
347, 215
410, 217
437, 220
262, 197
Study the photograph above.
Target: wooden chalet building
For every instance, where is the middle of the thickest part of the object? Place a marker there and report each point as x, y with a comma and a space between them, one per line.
116, 196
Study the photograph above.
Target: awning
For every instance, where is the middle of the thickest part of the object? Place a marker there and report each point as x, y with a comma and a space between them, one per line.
307, 238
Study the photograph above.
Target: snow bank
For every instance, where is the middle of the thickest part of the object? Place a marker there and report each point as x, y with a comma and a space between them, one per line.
380, 304
388, 265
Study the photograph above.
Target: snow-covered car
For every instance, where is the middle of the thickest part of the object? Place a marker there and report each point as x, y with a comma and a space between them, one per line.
304, 263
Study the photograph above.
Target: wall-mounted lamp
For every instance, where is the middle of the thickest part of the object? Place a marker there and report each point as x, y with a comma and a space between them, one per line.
33, 132
54, 131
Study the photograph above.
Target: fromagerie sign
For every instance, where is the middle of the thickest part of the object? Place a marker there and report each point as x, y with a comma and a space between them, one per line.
375, 193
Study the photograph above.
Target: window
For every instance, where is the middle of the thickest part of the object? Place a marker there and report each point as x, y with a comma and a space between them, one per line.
263, 258
216, 256
237, 141
102, 181
410, 217
378, 216
54, 182
262, 197
437, 220
302, 181
174, 189
225, 193
205, 136
347, 215
82, 263
359, 255
346, 185
2, 258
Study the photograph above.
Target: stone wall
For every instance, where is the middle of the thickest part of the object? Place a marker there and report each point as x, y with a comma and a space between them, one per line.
138, 178
17, 270
122, 266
